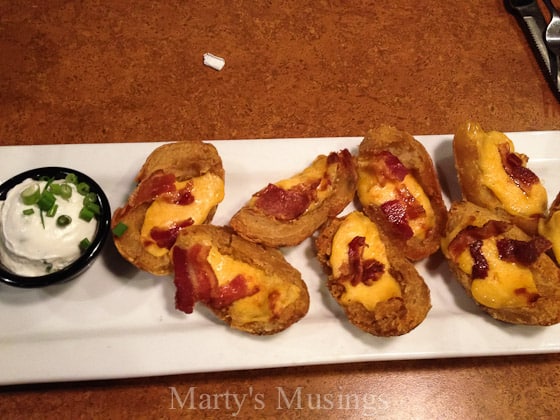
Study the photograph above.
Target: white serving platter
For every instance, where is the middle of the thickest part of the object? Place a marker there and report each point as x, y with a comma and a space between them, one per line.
117, 322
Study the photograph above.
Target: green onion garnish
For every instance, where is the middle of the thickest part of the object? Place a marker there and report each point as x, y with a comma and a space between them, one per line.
71, 178
31, 194
46, 201
89, 198
65, 191
119, 229
55, 188
86, 214
84, 244
63, 220
52, 211
28, 212
82, 188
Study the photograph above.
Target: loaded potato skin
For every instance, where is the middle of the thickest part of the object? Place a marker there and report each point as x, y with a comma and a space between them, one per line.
250, 287
505, 271
493, 175
287, 212
379, 290
179, 185
398, 188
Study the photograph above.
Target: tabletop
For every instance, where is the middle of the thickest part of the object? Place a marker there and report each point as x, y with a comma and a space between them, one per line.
104, 72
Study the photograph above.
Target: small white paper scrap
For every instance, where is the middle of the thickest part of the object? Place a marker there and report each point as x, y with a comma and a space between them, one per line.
211, 60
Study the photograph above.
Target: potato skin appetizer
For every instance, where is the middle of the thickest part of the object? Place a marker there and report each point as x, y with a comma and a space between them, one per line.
250, 287
399, 190
179, 185
492, 175
378, 288
504, 270
289, 211
549, 227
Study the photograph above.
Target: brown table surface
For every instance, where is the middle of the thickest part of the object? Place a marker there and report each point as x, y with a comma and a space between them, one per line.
118, 71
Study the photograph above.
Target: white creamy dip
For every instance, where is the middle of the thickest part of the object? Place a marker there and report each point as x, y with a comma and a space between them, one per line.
27, 247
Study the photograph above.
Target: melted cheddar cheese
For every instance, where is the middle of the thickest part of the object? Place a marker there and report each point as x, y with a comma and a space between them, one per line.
372, 193
386, 287
257, 307
515, 200
208, 192
319, 170
498, 289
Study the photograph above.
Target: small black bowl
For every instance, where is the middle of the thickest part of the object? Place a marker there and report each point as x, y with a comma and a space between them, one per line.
86, 259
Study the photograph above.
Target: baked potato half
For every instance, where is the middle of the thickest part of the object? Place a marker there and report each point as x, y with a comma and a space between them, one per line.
179, 185
287, 212
378, 288
250, 287
492, 175
505, 271
399, 190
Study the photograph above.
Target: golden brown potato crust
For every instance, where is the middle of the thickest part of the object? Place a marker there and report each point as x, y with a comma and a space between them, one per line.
269, 260
546, 310
393, 317
416, 159
254, 225
186, 159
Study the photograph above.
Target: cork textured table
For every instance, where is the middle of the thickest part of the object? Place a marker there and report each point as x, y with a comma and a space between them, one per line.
103, 72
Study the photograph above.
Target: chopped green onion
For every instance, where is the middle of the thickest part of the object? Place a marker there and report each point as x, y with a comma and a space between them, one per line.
94, 208
52, 211
63, 220
71, 178
65, 191
86, 214
31, 194
83, 188
84, 244
55, 188
46, 201
28, 212
90, 197
120, 229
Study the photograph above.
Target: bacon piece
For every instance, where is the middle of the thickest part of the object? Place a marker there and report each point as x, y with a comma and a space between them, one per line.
232, 291
195, 281
472, 233
480, 266
389, 167
286, 204
362, 271
513, 164
158, 183
396, 213
166, 237
522, 252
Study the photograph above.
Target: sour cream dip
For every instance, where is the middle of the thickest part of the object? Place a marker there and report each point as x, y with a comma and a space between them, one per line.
31, 245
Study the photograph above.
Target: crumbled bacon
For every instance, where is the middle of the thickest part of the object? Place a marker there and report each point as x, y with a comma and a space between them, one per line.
396, 213
286, 204
514, 165
472, 233
480, 263
361, 270
158, 183
195, 281
388, 167
522, 252
166, 237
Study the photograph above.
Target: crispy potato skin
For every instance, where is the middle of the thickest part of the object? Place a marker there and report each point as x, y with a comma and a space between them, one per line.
414, 156
252, 224
269, 260
396, 316
469, 174
186, 159
546, 310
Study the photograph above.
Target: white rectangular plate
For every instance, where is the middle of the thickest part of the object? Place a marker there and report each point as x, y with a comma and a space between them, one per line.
115, 321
